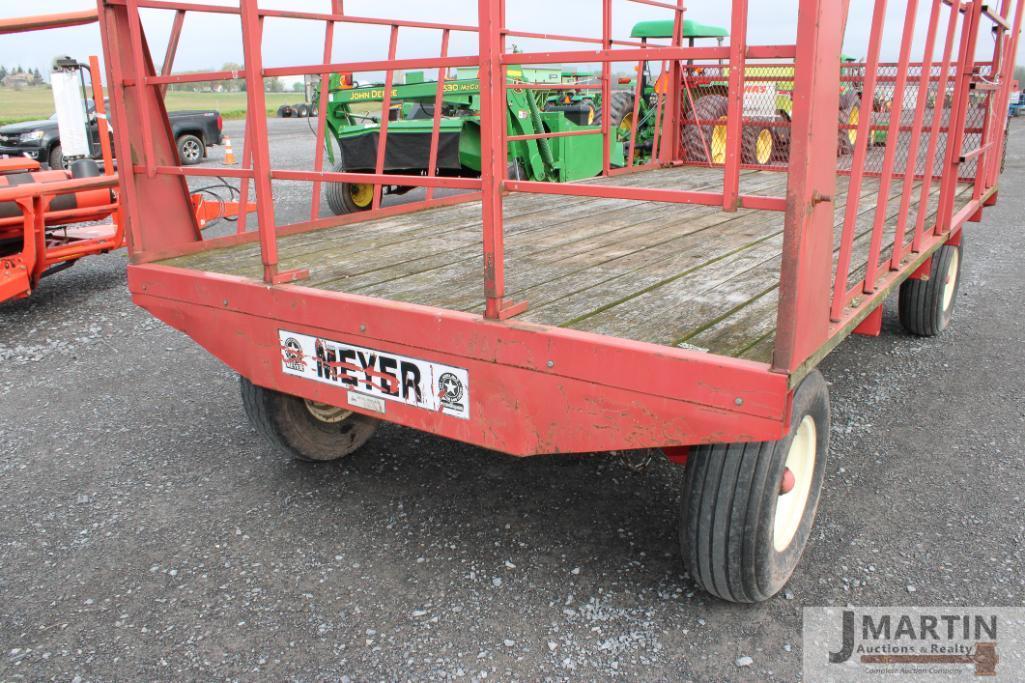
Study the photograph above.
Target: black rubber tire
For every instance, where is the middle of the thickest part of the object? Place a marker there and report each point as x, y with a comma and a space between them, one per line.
781, 138
729, 507
921, 302
286, 422
284, 111
56, 158
697, 139
849, 102
339, 197
302, 111
749, 145
621, 105
191, 150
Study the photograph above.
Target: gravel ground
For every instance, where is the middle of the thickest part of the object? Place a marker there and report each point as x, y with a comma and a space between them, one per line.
149, 534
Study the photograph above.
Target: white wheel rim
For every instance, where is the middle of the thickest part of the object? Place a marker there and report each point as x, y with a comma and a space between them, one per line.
801, 463
326, 412
951, 282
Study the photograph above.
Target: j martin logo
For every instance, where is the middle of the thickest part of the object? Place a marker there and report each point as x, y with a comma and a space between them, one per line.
916, 644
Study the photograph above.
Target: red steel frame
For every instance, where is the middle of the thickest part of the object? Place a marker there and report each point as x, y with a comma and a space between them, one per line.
611, 393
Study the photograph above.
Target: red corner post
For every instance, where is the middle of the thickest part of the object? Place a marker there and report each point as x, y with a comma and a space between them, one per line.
493, 156
806, 273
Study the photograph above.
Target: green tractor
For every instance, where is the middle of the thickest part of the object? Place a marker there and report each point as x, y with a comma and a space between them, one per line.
411, 124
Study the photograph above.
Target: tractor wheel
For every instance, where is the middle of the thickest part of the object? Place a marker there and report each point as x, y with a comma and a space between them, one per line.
308, 431
758, 146
748, 508
345, 198
302, 111
850, 115
926, 306
621, 114
284, 111
706, 142
781, 138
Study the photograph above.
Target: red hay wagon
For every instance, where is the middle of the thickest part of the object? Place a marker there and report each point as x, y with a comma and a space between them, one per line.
679, 304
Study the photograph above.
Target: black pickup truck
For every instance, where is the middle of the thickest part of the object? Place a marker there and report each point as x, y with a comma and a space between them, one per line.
40, 140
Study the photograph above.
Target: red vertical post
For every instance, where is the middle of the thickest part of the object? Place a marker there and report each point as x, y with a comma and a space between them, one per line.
439, 102
735, 107
669, 149
858, 164
1003, 100
382, 145
890, 155
256, 126
958, 116
325, 94
493, 156
803, 313
939, 110
911, 164
606, 85
103, 130
135, 36
172, 46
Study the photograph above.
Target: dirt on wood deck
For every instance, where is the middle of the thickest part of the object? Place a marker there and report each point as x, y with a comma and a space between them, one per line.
674, 274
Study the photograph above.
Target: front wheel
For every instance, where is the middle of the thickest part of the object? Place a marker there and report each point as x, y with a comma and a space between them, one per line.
56, 158
307, 430
748, 508
345, 198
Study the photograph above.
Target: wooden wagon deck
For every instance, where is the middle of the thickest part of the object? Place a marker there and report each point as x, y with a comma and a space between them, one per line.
673, 274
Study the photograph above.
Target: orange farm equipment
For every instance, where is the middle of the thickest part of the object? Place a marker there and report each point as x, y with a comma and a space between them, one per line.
680, 304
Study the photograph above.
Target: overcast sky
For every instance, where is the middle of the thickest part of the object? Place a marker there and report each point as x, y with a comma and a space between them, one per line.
211, 40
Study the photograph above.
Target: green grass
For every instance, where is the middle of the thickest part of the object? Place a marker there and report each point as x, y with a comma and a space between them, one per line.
37, 103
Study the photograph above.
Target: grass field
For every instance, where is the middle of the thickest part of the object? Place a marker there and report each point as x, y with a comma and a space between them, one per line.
37, 103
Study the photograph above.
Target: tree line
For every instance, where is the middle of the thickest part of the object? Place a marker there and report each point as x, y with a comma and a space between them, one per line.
34, 76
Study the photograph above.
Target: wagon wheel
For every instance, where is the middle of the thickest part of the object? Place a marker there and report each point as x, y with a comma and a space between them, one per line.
781, 138
748, 508
307, 430
345, 198
926, 306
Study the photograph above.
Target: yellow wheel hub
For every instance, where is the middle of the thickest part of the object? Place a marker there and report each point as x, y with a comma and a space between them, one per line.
718, 143
763, 147
327, 413
362, 194
626, 125
853, 120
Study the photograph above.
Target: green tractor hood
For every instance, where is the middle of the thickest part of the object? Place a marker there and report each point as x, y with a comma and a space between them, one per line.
664, 29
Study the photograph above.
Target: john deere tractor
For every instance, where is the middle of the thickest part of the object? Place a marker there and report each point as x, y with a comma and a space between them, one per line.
411, 124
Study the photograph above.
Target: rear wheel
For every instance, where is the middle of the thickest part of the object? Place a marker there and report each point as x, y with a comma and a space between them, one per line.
850, 117
190, 150
284, 111
308, 431
758, 146
302, 111
748, 508
621, 113
345, 198
926, 306
706, 141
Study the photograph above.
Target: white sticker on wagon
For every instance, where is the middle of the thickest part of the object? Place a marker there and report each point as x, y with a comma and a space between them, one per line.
374, 374
366, 402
